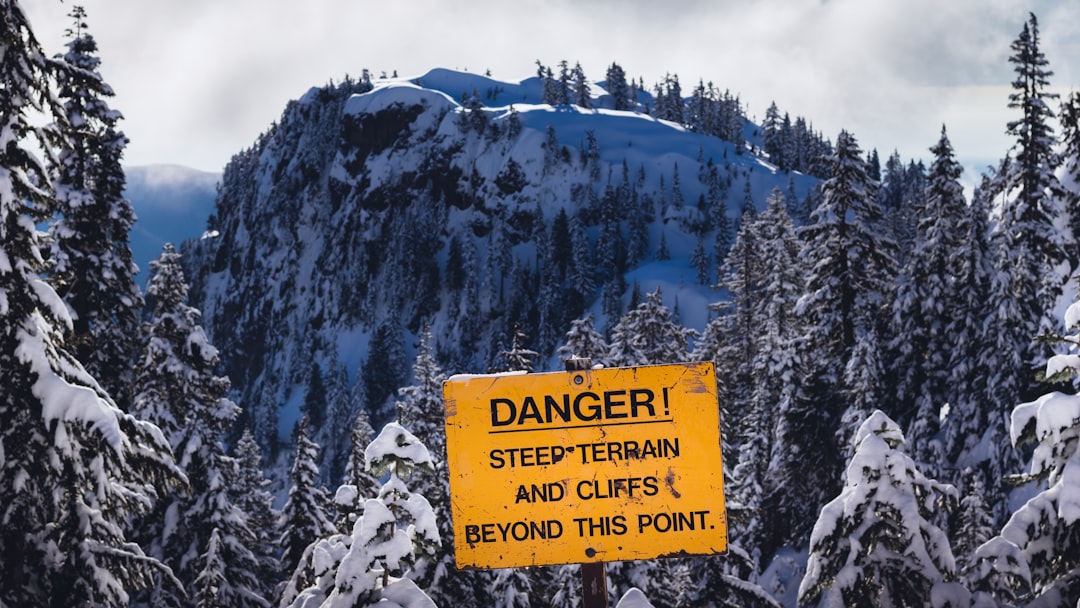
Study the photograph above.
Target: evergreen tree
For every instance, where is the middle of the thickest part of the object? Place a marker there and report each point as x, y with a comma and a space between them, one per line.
974, 344
384, 369
1028, 247
1070, 161
314, 406
974, 521
926, 304
251, 495
852, 262
584, 341
550, 88
421, 409
772, 369
511, 589
304, 516
850, 266
397, 528
662, 253
741, 275
751, 340
873, 545
719, 582
74, 468
616, 86
1030, 217
582, 94
647, 335
1036, 557
580, 274
350, 505
203, 536
563, 86
700, 261
718, 218
519, 357
560, 247
92, 265
669, 103
773, 141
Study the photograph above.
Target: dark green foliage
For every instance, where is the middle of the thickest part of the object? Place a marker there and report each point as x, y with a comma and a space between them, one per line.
304, 516
92, 265
511, 179
74, 468
384, 370
198, 531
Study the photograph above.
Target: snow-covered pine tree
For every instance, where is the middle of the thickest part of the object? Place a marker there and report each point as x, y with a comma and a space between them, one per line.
74, 468
852, 261
582, 94
1070, 173
701, 263
873, 545
773, 368
1036, 557
926, 303
198, 531
1028, 246
583, 341
349, 504
647, 335
511, 589
722, 582
162, 388
384, 370
616, 86
772, 138
1032, 181
396, 529
93, 269
304, 517
973, 344
519, 357
741, 275
562, 84
863, 380
421, 409
974, 521
251, 496
580, 277
565, 589
850, 266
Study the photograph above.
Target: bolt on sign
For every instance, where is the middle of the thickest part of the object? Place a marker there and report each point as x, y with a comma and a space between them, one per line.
585, 466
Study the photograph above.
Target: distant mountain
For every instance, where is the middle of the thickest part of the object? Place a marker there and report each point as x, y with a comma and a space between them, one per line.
172, 204
465, 203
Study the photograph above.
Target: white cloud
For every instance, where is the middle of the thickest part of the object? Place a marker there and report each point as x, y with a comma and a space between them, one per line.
197, 81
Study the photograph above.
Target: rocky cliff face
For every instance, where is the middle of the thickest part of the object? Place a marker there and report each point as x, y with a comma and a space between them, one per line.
459, 202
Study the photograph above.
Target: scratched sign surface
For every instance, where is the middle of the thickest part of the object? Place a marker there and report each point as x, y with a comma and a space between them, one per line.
586, 466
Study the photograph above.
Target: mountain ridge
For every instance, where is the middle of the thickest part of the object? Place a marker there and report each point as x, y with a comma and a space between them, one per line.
370, 210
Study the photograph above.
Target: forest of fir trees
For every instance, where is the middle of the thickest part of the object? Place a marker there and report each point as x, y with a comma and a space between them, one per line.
844, 336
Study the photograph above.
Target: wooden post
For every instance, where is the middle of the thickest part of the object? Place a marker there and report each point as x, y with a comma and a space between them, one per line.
594, 585
594, 574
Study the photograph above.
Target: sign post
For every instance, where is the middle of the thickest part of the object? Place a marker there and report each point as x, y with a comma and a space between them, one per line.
593, 574
585, 466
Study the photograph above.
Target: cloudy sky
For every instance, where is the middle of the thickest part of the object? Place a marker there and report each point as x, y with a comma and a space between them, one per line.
198, 80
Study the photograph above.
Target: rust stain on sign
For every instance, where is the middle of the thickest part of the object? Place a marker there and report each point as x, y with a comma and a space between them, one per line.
547, 468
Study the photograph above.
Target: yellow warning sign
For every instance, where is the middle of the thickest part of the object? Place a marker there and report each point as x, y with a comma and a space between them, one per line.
585, 466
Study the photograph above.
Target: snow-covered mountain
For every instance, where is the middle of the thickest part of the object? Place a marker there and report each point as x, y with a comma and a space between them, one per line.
172, 204
463, 202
